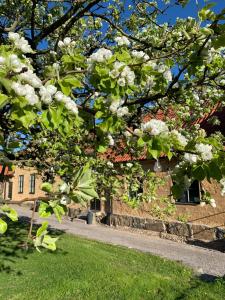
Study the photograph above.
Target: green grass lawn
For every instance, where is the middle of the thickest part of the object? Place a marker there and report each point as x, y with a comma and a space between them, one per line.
83, 269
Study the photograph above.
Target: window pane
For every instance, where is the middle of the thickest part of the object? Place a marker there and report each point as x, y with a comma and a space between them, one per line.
95, 204
32, 184
10, 190
21, 183
192, 195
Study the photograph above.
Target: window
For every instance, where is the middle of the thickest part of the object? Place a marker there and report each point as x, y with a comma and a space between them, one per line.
135, 188
95, 204
32, 184
10, 186
191, 195
21, 183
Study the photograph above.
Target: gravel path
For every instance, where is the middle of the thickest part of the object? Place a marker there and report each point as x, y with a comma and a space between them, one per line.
203, 261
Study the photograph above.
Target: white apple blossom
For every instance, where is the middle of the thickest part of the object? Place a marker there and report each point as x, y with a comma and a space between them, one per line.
161, 68
150, 82
26, 91
180, 138
71, 105
155, 127
123, 72
59, 96
138, 132
129, 165
168, 75
121, 81
191, 158
100, 56
31, 78
111, 140
114, 106
110, 164
67, 41
20, 42
140, 54
122, 40
205, 151
122, 111
15, 63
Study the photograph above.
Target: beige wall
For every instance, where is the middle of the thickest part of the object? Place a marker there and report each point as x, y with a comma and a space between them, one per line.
192, 212
26, 171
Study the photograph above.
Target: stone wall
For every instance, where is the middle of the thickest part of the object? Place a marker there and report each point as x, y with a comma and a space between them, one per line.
185, 230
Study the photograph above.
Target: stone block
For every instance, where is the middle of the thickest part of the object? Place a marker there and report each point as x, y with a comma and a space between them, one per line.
203, 232
179, 228
155, 225
220, 233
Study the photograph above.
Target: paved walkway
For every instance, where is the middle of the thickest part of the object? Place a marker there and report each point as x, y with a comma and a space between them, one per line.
204, 261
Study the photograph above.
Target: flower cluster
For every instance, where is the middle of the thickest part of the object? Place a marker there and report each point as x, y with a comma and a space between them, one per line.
26, 91
155, 127
205, 151
191, 158
31, 78
29, 85
20, 42
140, 55
124, 74
116, 109
122, 40
180, 138
100, 56
67, 42
69, 103
47, 92
12, 62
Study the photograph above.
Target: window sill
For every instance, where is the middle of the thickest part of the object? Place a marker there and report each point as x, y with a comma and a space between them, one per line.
20, 192
187, 203
31, 193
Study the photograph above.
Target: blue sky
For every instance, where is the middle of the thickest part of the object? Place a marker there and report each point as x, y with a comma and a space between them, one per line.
190, 9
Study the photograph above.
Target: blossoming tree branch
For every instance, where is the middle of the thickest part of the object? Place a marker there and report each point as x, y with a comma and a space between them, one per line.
77, 78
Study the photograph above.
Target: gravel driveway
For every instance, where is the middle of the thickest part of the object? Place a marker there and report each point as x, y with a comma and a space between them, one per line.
203, 261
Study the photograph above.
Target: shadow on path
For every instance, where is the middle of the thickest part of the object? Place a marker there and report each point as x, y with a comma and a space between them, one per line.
218, 245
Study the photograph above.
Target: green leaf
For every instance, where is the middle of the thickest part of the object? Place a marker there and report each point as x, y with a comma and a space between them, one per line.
101, 148
10, 212
59, 212
47, 187
3, 226
42, 230
65, 87
73, 81
45, 210
214, 170
83, 184
199, 173
49, 242
3, 100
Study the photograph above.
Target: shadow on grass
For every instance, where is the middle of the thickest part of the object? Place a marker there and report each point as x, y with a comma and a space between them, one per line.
13, 243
